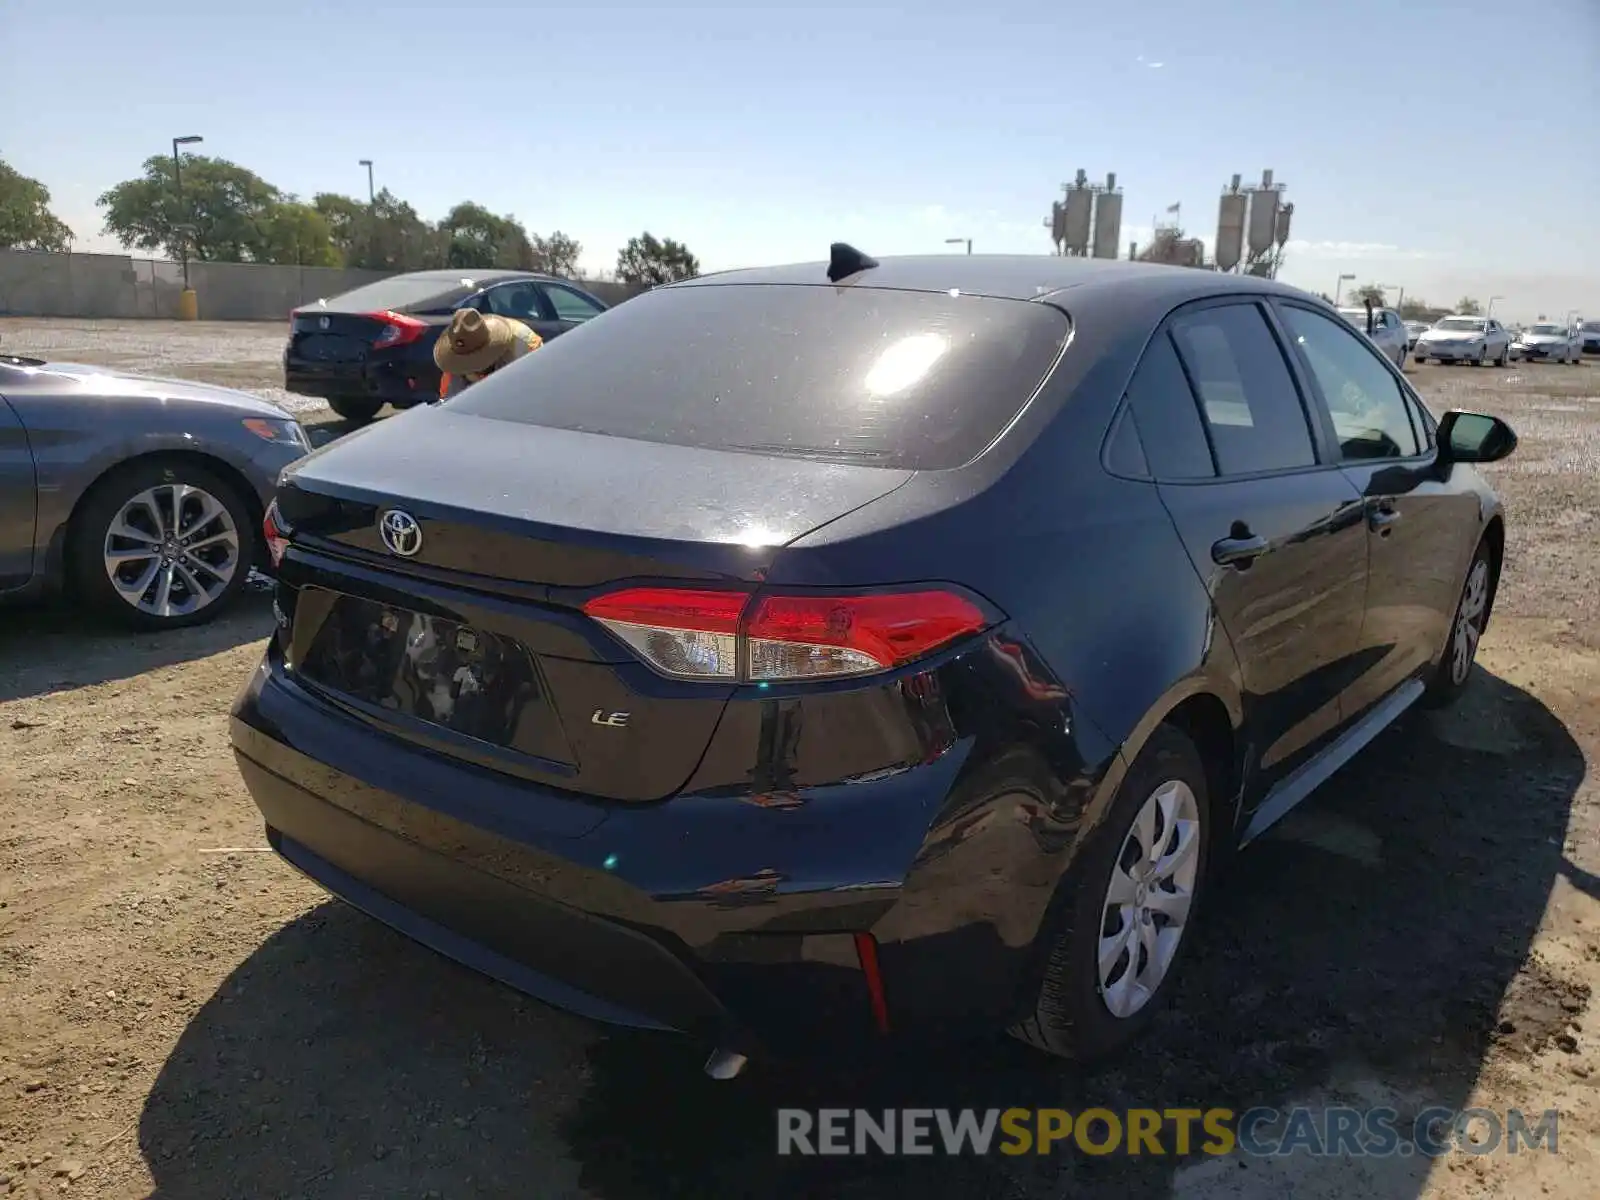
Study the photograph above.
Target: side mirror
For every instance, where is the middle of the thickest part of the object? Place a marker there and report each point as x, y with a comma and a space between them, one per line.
1469, 437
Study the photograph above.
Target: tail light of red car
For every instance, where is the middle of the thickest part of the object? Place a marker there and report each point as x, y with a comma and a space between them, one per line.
784, 637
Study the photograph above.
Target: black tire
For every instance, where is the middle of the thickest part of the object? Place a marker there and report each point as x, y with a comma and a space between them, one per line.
1478, 362
1069, 1017
91, 525
359, 409
1448, 680
1505, 357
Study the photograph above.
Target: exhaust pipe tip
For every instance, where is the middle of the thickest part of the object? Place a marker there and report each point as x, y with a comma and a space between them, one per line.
725, 1064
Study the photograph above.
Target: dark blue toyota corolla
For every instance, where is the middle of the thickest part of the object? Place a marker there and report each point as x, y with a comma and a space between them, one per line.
855, 645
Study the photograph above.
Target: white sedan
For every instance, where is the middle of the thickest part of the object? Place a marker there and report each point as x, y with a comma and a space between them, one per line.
1548, 341
1462, 338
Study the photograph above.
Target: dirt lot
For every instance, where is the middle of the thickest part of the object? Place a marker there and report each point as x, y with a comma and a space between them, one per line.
181, 1015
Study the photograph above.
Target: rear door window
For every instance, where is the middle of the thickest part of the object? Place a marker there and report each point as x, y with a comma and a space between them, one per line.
903, 379
1249, 399
1168, 420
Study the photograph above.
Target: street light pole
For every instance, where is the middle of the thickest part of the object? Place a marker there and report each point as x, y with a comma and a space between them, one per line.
958, 241
372, 196
187, 224
1338, 288
177, 175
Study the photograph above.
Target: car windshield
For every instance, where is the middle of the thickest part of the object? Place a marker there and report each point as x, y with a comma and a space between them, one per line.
911, 380
1546, 328
1462, 324
398, 292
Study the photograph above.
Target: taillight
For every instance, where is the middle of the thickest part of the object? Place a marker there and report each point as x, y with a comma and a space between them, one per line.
398, 329
276, 532
725, 635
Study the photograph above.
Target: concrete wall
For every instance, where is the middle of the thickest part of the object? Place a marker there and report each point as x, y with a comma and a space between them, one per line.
36, 284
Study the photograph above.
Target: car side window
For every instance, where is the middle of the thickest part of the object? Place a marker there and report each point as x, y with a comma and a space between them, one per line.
1249, 399
519, 301
1370, 415
569, 304
1165, 414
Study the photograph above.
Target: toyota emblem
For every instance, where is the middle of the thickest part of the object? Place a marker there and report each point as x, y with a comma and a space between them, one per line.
323, 322
400, 532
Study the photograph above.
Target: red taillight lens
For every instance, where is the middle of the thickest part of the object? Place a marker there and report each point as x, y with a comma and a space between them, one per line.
276, 532
711, 635
683, 633
398, 329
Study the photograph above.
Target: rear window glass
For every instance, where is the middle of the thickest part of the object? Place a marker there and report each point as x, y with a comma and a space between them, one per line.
910, 380
398, 292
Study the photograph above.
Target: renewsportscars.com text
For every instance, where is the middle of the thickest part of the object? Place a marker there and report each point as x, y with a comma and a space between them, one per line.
1258, 1132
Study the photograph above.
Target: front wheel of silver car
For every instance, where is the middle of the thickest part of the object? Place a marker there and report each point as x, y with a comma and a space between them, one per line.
1118, 933
1466, 631
160, 544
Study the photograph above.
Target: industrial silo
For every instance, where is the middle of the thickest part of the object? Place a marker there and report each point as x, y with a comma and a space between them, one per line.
1263, 225
1230, 227
1108, 220
1079, 215
1281, 233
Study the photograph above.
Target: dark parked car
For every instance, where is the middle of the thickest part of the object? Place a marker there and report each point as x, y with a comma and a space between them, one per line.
374, 345
142, 496
887, 645
1589, 335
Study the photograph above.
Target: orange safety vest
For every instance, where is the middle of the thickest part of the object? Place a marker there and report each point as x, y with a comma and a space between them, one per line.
447, 381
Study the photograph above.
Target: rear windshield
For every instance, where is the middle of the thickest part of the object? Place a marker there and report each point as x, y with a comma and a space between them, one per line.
911, 380
398, 292
1464, 324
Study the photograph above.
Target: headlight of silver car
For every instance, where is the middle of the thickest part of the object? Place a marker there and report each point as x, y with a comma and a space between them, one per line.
271, 430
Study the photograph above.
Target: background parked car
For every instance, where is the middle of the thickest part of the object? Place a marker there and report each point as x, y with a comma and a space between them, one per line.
142, 496
1414, 330
1388, 331
1548, 341
374, 345
1589, 333
891, 606
1462, 338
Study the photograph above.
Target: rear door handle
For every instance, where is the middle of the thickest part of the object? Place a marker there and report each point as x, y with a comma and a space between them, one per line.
1241, 550
1380, 518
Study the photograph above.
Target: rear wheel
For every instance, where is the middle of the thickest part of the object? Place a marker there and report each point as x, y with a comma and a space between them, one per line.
160, 544
1505, 357
1472, 614
355, 408
1121, 933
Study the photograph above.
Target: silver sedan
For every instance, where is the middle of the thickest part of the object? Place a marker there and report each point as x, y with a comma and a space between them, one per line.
1463, 338
1388, 331
143, 497
1548, 341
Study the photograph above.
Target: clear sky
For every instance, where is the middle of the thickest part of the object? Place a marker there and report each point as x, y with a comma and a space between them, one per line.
1447, 147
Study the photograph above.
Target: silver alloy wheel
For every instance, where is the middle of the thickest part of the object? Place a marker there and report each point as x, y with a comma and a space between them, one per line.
1469, 622
1147, 903
171, 550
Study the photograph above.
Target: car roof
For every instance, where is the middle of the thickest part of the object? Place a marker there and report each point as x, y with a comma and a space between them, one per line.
1013, 276
476, 274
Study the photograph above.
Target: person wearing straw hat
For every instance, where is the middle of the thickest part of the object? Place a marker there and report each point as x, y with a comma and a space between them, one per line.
476, 344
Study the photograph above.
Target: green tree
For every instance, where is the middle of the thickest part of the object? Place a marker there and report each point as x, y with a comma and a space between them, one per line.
1365, 292
298, 234
386, 235
26, 222
556, 254
649, 261
228, 207
1469, 307
475, 237
1414, 309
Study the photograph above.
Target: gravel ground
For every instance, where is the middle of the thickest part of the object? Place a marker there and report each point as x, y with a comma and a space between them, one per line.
185, 1017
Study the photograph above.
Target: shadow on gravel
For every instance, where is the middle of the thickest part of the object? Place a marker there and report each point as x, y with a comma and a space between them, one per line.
56, 647
1382, 937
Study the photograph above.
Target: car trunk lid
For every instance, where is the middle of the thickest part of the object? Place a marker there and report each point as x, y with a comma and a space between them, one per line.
470, 641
